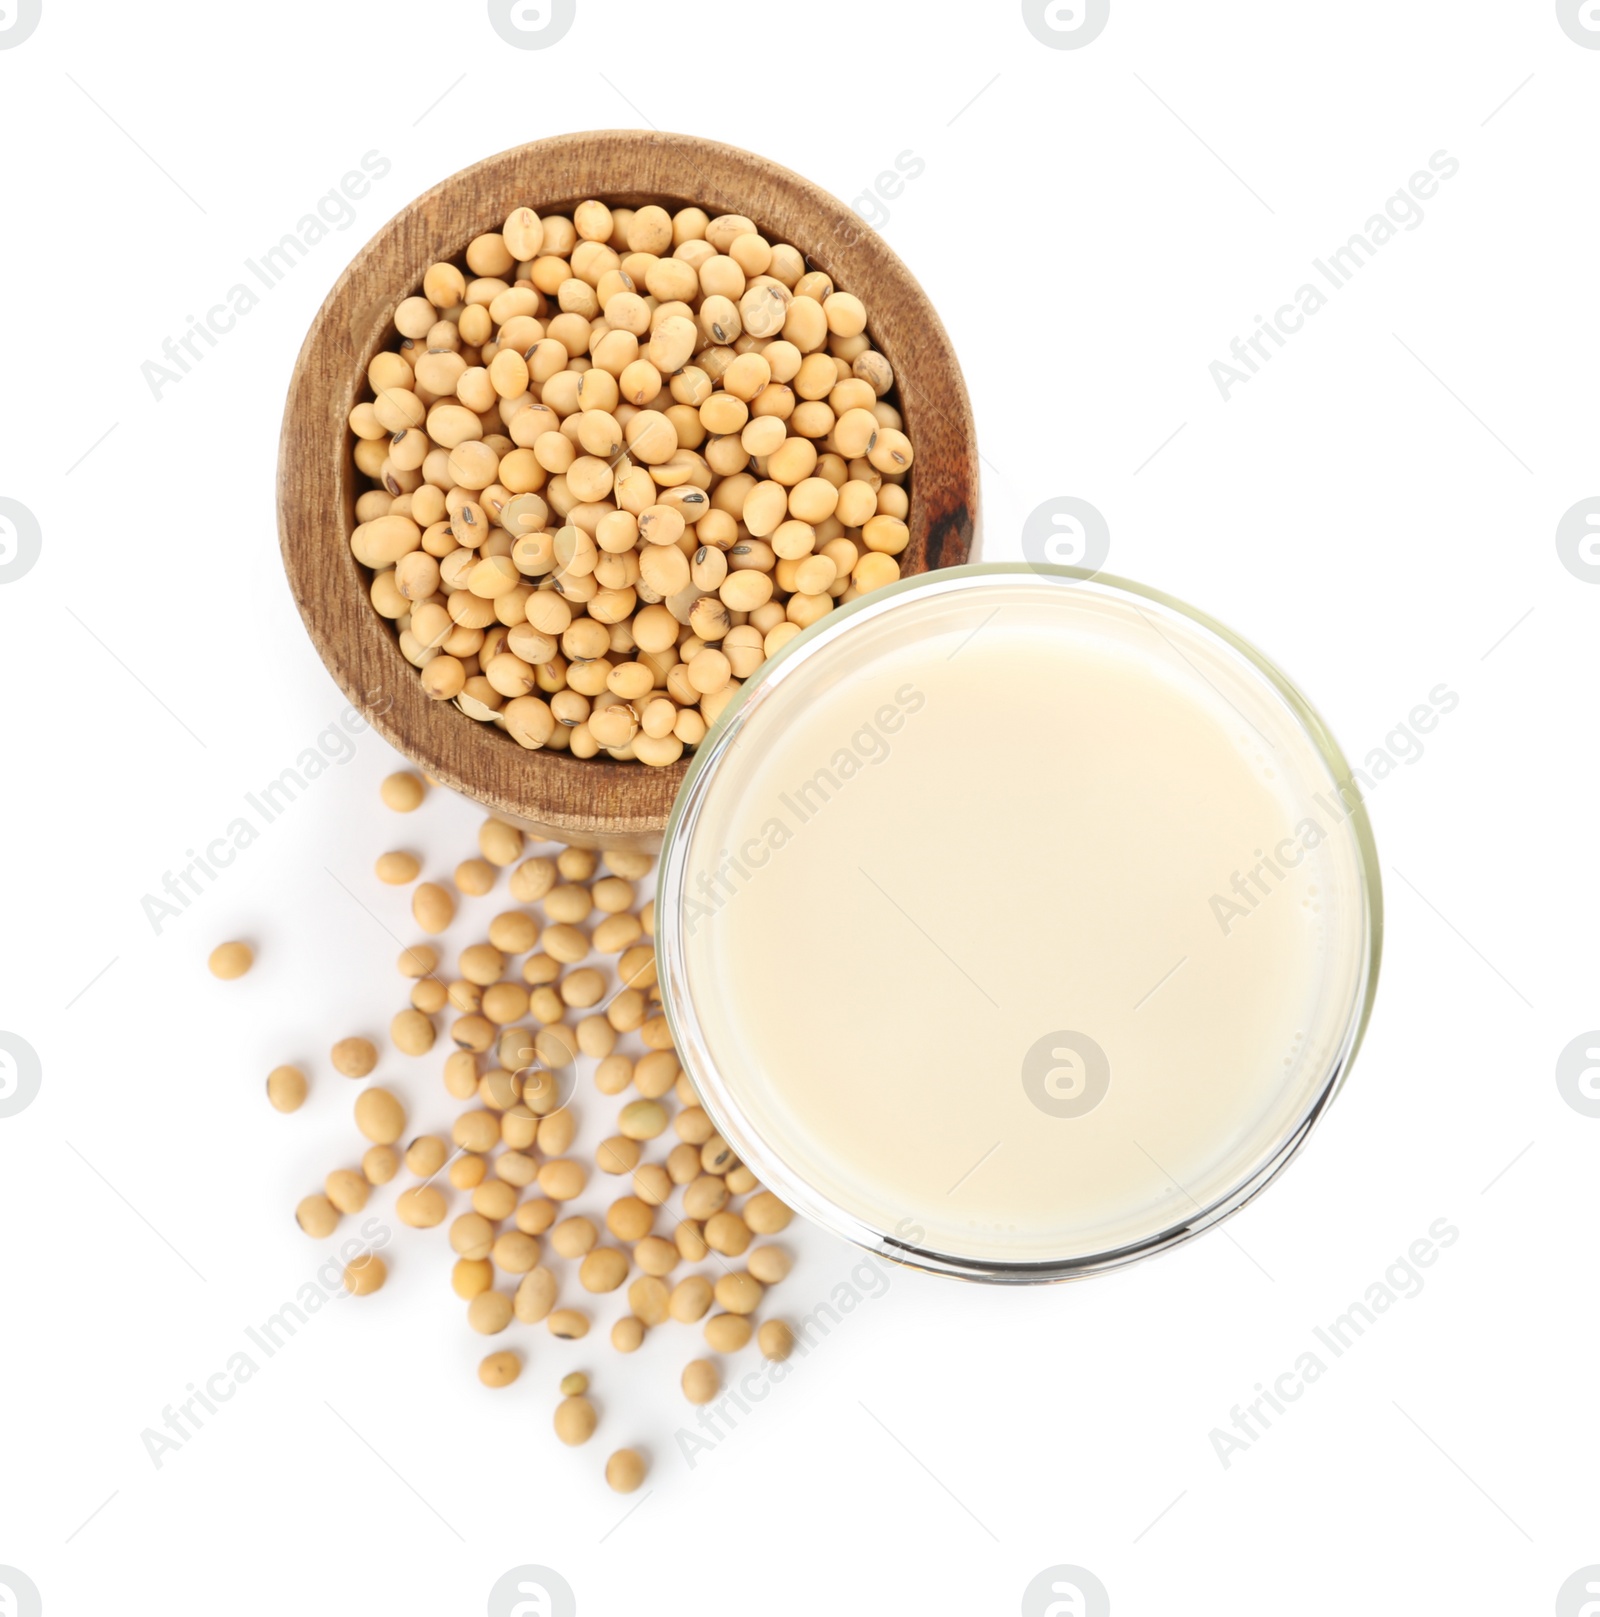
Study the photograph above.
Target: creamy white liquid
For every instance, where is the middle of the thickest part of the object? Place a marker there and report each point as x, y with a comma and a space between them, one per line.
984, 820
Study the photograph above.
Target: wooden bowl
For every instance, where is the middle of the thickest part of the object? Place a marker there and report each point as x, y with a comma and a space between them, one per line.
596, 802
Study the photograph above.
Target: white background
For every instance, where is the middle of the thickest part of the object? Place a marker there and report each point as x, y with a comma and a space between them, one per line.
1377, 510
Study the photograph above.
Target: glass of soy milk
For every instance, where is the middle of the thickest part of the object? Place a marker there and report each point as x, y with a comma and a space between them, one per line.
1018, 923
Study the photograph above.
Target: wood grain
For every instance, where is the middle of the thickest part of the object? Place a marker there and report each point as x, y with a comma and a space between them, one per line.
596, 801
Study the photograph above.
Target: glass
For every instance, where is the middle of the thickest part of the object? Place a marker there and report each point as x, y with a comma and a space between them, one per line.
820, 1163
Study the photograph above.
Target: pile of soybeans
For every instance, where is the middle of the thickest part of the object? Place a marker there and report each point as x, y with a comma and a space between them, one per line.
661, 1215
615, 462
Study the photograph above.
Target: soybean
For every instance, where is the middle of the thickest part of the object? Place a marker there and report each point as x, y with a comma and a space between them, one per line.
727, 1333
625, 1470
347, 1189
627, 1335
286, 1088
231, 960
355, 1058
380, 1164
499, 1369
701, 1381
380, 1116
766, 1215
317, 1216
776, 1340
403, 791
422, 1207
365, 1274
489, 1312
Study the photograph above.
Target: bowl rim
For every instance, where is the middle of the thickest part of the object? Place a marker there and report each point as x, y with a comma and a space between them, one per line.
903, 1245
597, 801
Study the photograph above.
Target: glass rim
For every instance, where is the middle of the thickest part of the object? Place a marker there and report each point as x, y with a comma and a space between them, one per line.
901, 1245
